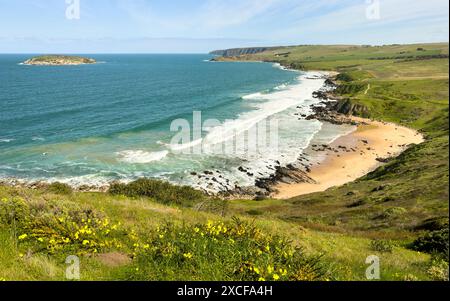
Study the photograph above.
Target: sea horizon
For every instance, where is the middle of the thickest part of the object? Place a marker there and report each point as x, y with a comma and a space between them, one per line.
94, 150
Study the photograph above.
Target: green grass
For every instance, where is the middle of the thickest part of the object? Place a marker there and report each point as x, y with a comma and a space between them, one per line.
412, 92
136, 248
394, 201
154, 230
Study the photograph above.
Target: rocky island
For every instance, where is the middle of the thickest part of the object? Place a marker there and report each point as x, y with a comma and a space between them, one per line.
58, 60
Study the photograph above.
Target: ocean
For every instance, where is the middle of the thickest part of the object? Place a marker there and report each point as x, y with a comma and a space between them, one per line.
117, 120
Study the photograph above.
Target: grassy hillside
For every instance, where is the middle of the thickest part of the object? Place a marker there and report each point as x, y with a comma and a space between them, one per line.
407, 85
139, 238
153, 231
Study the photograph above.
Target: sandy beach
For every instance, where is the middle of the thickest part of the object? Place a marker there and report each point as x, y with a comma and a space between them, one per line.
353, 156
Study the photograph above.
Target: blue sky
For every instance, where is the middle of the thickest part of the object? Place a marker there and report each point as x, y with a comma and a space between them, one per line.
198, 26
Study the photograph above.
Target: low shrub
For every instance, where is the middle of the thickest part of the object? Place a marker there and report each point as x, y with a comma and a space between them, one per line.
160, 191
433, 242
382, 245
438, 269
58, 227
231, 251
59, 188
393, 212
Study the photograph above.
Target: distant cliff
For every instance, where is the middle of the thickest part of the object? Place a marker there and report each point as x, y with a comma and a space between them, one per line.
241, 51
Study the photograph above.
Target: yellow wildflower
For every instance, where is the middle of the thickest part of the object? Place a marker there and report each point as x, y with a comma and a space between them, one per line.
188, 255
85, 242
276, 277
261, 279
23, 236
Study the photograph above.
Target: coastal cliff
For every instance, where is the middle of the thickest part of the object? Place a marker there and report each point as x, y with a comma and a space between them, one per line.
241, 51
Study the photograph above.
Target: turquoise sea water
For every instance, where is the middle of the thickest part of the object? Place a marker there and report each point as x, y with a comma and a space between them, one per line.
91, 124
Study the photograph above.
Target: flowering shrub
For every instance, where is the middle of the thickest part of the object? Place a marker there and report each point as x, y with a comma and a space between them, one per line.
216, 250
59, 227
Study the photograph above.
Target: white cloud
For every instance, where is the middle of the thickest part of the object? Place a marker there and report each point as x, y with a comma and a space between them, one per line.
399, 15
220, 14
208, 18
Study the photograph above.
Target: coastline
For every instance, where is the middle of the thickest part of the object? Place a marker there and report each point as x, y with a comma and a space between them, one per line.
352, 156
344, 160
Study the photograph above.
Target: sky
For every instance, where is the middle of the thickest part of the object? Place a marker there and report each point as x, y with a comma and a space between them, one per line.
199, 26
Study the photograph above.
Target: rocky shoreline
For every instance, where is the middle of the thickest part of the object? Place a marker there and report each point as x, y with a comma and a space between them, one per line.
295, 173
328, 110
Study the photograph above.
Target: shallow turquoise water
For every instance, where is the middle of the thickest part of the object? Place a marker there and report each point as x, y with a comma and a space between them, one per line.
92, 124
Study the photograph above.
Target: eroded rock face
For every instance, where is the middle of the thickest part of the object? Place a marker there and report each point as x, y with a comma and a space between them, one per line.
241, 51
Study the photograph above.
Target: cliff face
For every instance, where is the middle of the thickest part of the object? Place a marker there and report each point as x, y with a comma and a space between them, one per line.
241, 51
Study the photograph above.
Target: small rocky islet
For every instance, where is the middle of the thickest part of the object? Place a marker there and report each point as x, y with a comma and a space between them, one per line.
59, 60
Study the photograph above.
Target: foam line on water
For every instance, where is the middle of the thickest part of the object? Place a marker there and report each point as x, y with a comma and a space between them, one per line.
140, 156
275, 102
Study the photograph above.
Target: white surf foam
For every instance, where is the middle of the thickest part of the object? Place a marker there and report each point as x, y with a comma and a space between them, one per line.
253, 96
140, 156
274, 103
294, 135
180, 147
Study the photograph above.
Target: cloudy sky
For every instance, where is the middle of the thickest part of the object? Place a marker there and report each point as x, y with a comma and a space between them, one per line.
198, 26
